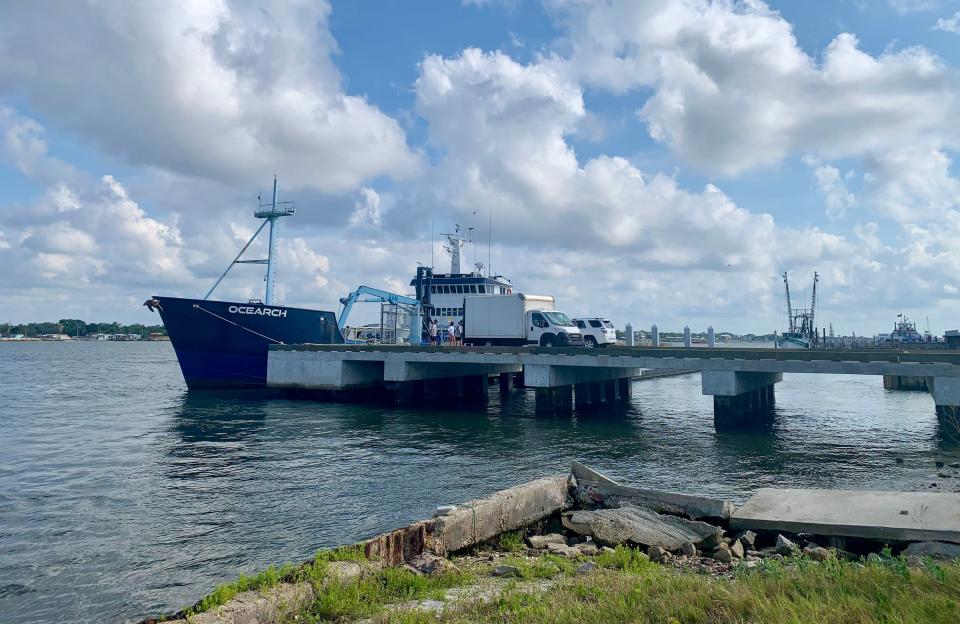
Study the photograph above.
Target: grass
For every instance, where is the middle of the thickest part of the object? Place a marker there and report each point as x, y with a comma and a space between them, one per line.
626, 587
313, 571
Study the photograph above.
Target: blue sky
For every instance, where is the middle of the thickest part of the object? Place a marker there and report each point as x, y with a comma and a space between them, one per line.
652, 161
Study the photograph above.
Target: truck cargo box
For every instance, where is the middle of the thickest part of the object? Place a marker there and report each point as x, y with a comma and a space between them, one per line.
500, 317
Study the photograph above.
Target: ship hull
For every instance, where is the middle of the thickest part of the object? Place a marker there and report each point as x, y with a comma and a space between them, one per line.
224, 344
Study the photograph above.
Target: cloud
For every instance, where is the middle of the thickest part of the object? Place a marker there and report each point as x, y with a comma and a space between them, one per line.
949, 24
912, 6
733, 91
226, 90
833, 187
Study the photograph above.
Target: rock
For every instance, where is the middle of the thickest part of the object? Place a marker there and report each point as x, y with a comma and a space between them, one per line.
936, 550
570, 552
785, 546
541, 541
656, 553
428, 563
507, 571
748, 539
776, 556
873, 558
817, 553
444, 510
688, 549
586, 568
753, 553
752, 563
588, 549
722, 546
736, 549
344, 572
723, 555
607, 550
630, 523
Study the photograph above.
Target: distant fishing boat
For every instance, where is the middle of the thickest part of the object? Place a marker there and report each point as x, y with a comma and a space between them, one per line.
224, 344
802, 332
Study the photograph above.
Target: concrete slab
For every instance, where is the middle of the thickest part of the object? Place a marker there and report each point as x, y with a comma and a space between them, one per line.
891, 516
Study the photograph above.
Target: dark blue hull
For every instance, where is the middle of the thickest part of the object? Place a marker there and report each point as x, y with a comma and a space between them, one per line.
223, 344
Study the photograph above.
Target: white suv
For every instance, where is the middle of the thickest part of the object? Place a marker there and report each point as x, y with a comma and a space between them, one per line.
597, 332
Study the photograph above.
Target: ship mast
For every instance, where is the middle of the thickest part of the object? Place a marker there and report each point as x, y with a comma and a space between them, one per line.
270, 212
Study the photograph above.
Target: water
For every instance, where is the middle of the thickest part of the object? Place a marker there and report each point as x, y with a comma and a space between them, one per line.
122, 496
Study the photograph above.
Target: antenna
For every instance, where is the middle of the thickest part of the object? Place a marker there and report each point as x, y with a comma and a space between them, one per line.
433, 244
489, 237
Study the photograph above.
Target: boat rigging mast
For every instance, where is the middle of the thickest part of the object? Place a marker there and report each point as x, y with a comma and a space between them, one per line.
786, 283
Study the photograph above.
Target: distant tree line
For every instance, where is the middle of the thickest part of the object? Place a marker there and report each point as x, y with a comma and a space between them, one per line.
77, 327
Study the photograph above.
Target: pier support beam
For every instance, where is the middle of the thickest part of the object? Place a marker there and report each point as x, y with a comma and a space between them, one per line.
739, 397
553, 400
506, 383
906, 382
946, 396
475, 387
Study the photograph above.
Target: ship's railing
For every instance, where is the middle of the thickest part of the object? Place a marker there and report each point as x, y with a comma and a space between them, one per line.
282, 209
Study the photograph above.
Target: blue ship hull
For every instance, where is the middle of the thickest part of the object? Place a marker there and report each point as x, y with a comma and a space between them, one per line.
223, 344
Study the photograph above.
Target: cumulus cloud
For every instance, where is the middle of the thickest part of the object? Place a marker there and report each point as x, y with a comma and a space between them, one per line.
733, 90
224, 89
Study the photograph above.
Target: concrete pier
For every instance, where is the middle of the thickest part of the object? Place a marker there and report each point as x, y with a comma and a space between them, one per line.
740, 380
740, 398
905, 382
946, 396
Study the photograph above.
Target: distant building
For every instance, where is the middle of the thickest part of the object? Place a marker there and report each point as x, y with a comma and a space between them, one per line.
952, 337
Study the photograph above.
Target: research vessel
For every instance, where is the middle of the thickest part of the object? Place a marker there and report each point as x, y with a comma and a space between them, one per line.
224, 344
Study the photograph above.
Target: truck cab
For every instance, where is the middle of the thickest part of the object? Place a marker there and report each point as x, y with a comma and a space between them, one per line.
552, 328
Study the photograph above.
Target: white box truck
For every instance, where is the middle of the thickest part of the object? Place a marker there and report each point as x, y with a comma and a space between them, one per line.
517, 320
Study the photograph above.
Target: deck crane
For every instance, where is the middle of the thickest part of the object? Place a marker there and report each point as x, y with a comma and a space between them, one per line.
813, 306
374, 294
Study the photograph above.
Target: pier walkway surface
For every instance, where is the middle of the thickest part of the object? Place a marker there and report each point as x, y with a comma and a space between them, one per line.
740, 380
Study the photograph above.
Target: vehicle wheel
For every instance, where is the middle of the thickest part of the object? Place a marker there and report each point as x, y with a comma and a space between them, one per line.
546, 341
589, 342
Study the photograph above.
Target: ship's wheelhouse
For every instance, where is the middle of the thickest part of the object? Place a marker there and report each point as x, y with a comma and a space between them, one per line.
448, 290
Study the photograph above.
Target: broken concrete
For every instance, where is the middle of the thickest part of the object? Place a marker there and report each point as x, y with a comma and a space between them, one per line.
481, 520
593, 488
636, 525
935, 550
253, 607
881, 516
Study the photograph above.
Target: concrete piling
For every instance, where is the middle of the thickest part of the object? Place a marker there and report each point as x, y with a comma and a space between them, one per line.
506, 383
554, 400
711, 339
905, 382
686, 337
655, 335
629, 335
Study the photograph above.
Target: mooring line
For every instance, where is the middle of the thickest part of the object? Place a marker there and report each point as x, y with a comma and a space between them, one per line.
226, 320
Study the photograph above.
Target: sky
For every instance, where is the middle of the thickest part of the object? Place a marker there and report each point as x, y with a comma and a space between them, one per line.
649, 161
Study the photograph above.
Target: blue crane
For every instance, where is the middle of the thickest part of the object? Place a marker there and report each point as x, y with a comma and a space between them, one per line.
376, 295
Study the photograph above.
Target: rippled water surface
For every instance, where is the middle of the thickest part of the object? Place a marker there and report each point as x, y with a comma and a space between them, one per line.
121, 495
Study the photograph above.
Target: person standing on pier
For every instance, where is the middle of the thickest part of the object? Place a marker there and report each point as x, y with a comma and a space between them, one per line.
451, 334
433, 332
